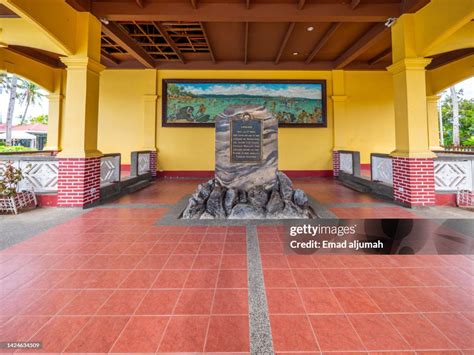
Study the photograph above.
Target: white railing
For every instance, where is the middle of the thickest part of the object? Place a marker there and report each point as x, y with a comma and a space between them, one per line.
346, 163
110, 168
40, 173
381, 168
454, 174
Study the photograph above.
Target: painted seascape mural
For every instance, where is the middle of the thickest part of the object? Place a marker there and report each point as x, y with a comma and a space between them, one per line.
198, 102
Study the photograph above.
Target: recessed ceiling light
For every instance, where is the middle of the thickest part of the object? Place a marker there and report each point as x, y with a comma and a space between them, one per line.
295, 53
310, 28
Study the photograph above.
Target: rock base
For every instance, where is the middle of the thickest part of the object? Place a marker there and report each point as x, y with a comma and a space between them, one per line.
213, 201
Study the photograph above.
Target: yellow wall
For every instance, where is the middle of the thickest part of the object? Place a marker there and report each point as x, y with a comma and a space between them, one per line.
369, 126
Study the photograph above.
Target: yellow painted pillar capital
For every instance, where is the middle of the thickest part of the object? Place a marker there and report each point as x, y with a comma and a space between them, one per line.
410, 104
81, 63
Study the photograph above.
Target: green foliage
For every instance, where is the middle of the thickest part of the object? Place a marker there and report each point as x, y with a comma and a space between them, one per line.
466, 119
9, 179
43, 119
13, 148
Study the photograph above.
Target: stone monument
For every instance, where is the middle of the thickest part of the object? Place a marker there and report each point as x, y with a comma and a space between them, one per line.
247, 184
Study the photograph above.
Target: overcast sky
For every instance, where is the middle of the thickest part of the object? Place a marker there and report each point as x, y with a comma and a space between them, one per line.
42, 108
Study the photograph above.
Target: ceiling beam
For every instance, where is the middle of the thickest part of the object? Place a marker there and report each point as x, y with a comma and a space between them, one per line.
354, 4
169, 41
288, 33
449, 57
301, 4
194, 4
378, 58
360, 46
140, 3
211, 52
322, 42
5, 12
246, 43
109, 59
120, 37
80, 5
37, 56
411, 6
235, 12
247, 4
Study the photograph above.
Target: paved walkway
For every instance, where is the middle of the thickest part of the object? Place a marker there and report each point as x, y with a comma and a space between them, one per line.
124, 278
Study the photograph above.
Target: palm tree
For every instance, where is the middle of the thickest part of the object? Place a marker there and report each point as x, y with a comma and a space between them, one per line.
12, 85
30, 93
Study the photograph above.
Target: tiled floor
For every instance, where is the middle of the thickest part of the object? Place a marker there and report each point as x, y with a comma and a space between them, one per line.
359, 303
112, 280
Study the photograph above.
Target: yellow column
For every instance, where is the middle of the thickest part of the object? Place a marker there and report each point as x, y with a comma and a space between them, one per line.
54, 119
411, 132
339, 108
149, 122
433, 122
79, 123
55, 101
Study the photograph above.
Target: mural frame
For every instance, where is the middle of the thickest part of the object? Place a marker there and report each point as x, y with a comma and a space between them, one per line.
164, 93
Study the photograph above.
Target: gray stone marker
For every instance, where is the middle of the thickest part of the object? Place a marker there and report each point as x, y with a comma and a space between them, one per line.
248, 184
246, 147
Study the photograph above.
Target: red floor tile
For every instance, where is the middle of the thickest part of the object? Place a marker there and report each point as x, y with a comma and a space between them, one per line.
339, 278
207, 262
98, 335
232, 279
335, 333
355, 300
455, 327
228, 334
155, 262
377, 333
158, 302
309, 278
87, 302
21, 327
424, 299
122, 302
141, 335
170, 279
228, 301
390, 300
194, 302
201, 279
140, 279
274, 262
320, 300
292, 333
179, 262
419, 332
278, 278
284, 301
369, 278
234, 262
58, 332
51, 302
185, 334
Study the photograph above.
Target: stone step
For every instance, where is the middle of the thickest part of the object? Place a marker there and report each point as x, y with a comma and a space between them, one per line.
356, 186
137, 186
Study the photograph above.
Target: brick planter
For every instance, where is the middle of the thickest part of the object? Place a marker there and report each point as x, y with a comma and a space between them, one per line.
336, 163
413, 181
78, 181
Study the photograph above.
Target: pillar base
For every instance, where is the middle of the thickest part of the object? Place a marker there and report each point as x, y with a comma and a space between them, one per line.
153, 161
78, 181
335, 163
413, 181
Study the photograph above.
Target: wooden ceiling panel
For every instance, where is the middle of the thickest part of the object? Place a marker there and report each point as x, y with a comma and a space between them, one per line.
265, 40
342, 39
303, 41
227, 40
378, 47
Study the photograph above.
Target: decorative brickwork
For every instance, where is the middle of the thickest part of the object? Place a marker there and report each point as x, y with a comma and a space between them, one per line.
153, 159
336, 163
413, 181
78, 182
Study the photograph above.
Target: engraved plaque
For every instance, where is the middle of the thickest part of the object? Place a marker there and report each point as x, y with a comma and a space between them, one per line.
246, 141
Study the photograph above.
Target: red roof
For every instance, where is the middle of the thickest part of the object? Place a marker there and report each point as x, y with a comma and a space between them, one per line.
36, 127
